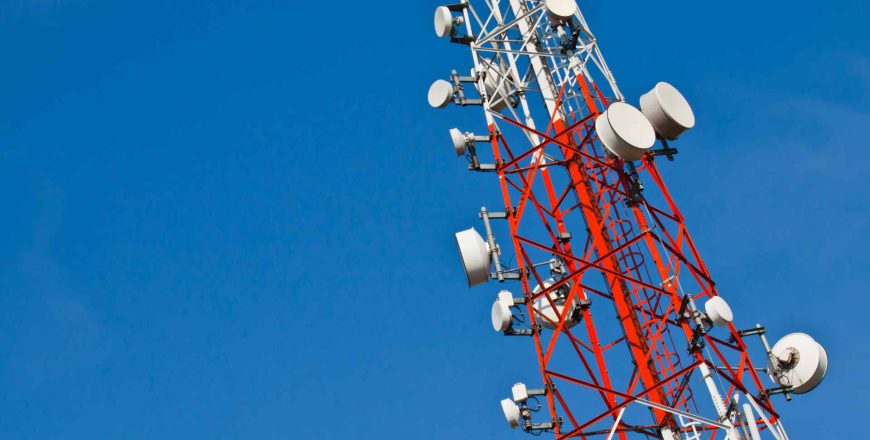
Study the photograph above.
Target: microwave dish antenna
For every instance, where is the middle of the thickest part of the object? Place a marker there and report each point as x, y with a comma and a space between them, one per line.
475, 255
801, 362
460, 143
511, 412
443, 21
625, 131
667, 110
440, 93
561, 10
547, 314
718, 311
496, 84
501, 316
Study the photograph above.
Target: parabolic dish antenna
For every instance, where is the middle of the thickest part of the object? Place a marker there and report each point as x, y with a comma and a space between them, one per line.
809, 362
498, 84
501, 316
443, 21
458, 141
718, 311
440, 93
561, 10
667, 110
475, 256
625, 131
511, 412
544, 309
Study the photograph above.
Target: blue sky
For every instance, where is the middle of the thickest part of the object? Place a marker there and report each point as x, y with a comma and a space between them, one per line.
234, 219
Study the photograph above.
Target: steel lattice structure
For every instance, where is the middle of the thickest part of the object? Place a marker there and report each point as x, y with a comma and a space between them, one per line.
600, 241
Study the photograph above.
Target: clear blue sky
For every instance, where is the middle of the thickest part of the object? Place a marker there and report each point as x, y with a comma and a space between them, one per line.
234, 219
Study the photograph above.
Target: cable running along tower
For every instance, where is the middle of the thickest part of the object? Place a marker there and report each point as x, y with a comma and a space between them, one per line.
631, 336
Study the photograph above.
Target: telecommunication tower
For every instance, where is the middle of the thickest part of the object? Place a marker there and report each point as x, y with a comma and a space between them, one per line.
632, 337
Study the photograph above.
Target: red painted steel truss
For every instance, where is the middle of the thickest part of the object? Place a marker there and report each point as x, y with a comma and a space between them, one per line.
628, 248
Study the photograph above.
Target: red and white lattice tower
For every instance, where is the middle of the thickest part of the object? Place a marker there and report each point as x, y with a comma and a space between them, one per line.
632, 338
